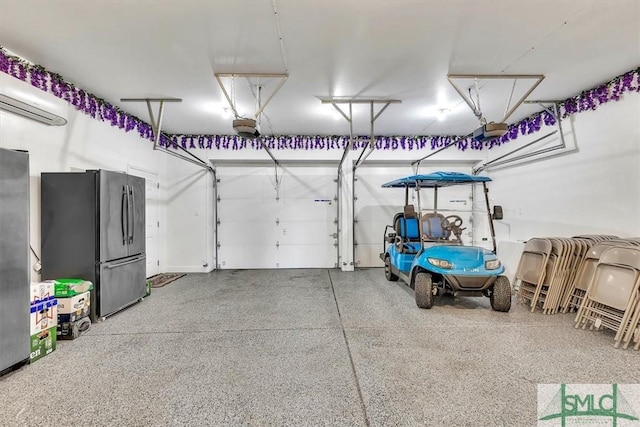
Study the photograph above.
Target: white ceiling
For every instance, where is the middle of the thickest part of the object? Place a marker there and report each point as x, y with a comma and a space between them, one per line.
393, 49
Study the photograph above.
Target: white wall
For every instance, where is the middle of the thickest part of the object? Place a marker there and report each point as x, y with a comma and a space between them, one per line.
596, 190
189, 223
84, 143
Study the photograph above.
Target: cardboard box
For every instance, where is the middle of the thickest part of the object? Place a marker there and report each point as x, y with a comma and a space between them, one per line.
42, 291
73, 308
43, 316
72, 330
64, 288
42, 343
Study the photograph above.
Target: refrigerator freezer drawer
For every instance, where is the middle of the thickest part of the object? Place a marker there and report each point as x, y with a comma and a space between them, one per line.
122, 283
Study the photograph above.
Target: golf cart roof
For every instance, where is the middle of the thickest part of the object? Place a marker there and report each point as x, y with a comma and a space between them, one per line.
435, 179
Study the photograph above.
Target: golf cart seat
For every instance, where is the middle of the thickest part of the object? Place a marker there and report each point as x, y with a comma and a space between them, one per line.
432, 227
406, 225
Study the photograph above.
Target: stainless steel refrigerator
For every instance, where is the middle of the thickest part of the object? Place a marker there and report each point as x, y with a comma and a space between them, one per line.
93, 228
14, 258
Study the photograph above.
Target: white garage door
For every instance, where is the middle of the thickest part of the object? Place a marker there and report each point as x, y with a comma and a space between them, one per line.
375, 206
263, 225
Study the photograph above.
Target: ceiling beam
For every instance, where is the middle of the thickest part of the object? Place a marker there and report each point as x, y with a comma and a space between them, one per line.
509, 110
156, 127
155, 124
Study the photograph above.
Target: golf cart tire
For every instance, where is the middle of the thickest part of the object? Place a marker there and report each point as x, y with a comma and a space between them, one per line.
387, 271
423, 285
501, 294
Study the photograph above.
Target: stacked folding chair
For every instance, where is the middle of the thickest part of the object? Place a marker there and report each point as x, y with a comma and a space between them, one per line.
563, 256
612, 298
596, 238
633, 329
584, 272
532, 269
568, 253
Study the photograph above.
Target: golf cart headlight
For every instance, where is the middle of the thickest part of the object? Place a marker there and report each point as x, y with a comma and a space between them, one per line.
439, 262
492, 265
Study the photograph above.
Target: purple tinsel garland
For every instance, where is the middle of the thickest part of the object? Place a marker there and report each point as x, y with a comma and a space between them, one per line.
101, 110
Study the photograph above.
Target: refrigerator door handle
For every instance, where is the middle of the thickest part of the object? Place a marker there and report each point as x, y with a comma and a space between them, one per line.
124, 215
133, 213
120, 264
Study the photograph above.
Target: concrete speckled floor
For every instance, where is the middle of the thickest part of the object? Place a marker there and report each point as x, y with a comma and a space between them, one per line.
308, 347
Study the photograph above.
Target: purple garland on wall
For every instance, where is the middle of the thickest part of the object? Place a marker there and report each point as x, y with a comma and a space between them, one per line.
82, 101
104, 111
319, 142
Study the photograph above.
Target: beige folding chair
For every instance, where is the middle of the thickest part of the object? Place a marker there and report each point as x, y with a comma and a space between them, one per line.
596, 238
585, 273
568, 251
555, 266
612, 294
581, 248
633, 327
531, 270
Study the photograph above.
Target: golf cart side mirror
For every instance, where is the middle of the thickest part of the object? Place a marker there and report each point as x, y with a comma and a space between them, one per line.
497, 212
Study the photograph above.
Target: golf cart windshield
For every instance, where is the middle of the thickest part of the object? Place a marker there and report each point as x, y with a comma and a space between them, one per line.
446, 212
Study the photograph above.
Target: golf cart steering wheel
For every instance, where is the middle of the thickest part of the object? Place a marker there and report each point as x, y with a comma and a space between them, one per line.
451, 222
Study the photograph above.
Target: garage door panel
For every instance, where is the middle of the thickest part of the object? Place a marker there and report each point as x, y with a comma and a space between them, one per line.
246, 256
308, 232
378, 213
248, 233
251, 187
307, 210
291, 232
307, 186
246, 210
369, 255
370, 232
312, 256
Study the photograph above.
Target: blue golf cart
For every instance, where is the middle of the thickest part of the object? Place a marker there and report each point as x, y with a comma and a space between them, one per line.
425, 248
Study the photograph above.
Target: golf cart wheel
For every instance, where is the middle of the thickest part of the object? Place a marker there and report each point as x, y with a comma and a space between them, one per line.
501, 294
387, 271
423, 285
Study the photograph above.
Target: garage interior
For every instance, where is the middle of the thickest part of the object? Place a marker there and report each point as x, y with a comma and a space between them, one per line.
284, 315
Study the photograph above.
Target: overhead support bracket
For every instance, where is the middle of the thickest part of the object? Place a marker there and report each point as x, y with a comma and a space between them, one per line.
416, 163
510, 109
230, 96
156, 127
281, 76
372, 144
553, 108
335, 101
155, 124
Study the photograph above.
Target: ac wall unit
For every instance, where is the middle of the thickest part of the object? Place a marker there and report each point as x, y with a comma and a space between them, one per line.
23, 109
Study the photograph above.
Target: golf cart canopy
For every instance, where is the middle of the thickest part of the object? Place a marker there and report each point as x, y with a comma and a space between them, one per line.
435, 179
